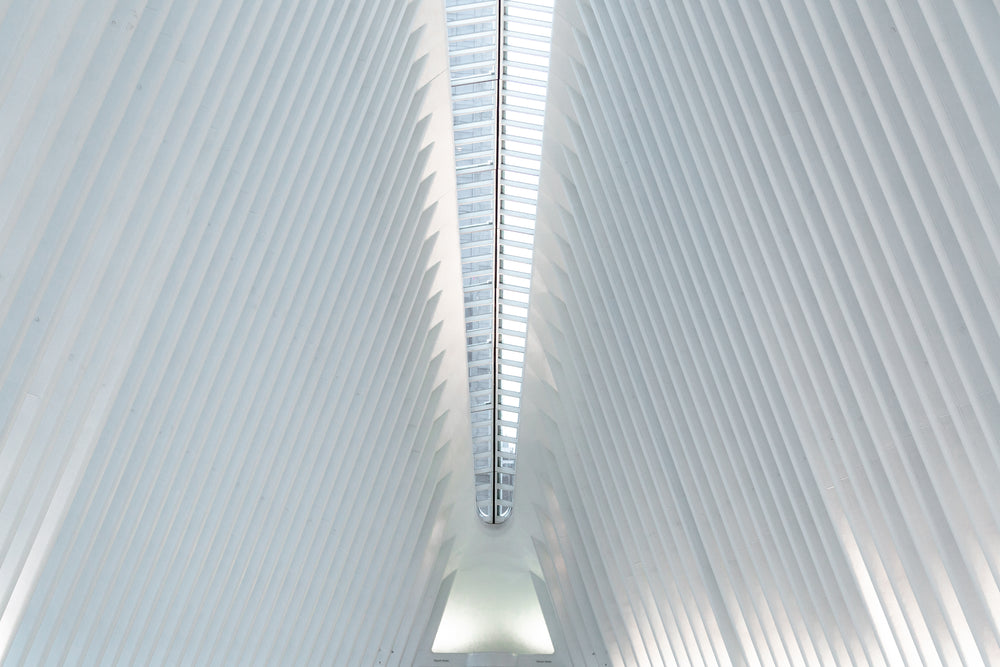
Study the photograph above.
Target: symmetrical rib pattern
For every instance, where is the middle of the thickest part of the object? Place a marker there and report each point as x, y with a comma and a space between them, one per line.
761, 415
232, 394
498, 54
763, 387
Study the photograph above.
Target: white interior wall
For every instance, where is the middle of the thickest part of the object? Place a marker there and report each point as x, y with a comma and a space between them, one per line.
761, 403
233, 396
764, 392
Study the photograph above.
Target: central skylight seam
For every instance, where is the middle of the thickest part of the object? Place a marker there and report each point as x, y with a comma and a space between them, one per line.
499, 56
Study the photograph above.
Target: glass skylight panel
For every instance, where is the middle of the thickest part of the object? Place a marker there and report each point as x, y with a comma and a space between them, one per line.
499, 56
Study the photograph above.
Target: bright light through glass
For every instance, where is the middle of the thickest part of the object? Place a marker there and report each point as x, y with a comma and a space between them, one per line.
499, 59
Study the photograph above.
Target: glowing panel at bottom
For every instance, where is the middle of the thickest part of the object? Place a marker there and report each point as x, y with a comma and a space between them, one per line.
489, 611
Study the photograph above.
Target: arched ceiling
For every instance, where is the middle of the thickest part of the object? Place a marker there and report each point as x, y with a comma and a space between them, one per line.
761, 402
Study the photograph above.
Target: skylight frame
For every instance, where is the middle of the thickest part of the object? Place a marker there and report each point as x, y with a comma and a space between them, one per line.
498, 136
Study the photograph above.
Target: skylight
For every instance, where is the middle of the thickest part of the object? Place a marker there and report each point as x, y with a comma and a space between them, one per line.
499, 58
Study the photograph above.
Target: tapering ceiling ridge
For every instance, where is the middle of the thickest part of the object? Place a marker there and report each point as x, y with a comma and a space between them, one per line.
755, 414
498, 53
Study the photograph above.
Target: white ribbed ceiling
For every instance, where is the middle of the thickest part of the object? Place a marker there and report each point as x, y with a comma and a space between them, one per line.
763, 363
232, 392
761, 397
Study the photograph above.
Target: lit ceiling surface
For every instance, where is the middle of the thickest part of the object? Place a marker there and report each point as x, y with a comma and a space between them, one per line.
499, 57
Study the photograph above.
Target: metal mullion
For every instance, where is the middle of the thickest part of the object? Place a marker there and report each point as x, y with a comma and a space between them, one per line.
528, 111
538, 23
471, 228
471, 73
480, 176
520, 200
477, 140
519, 53
520, 170
476, 109
474, 168
524, 81
480, 4
506, 186
496, 263
454, 58
515, 318
467, 191
478, 244
464, 81
473, 65
516, 138
535, 127
513, 33
530, 6
462, 43
469, 222
476, 200
528, 66
517, 244
523, 140
512, 222
515, 257
516, 274
457, 23
514, 303
526, 45
477, 155
520, 154
491, 160
524, 35
467, 97
509, 228
471, 125
505, 376
482, 273
459, 56
466, 188
514, 289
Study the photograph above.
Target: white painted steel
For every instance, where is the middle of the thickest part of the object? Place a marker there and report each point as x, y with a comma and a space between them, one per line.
763, 389
761, 396
233, 396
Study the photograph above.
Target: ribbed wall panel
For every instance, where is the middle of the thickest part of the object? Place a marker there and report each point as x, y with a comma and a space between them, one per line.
763, 377
762, 388
231, 338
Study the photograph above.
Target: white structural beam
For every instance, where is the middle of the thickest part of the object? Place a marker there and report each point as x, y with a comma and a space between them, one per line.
232, 397
761, 390
763, 373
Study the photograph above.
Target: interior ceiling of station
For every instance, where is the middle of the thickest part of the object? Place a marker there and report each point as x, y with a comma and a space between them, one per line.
761, 404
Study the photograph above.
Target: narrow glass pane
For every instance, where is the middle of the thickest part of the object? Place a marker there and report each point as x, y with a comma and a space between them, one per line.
497, 218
